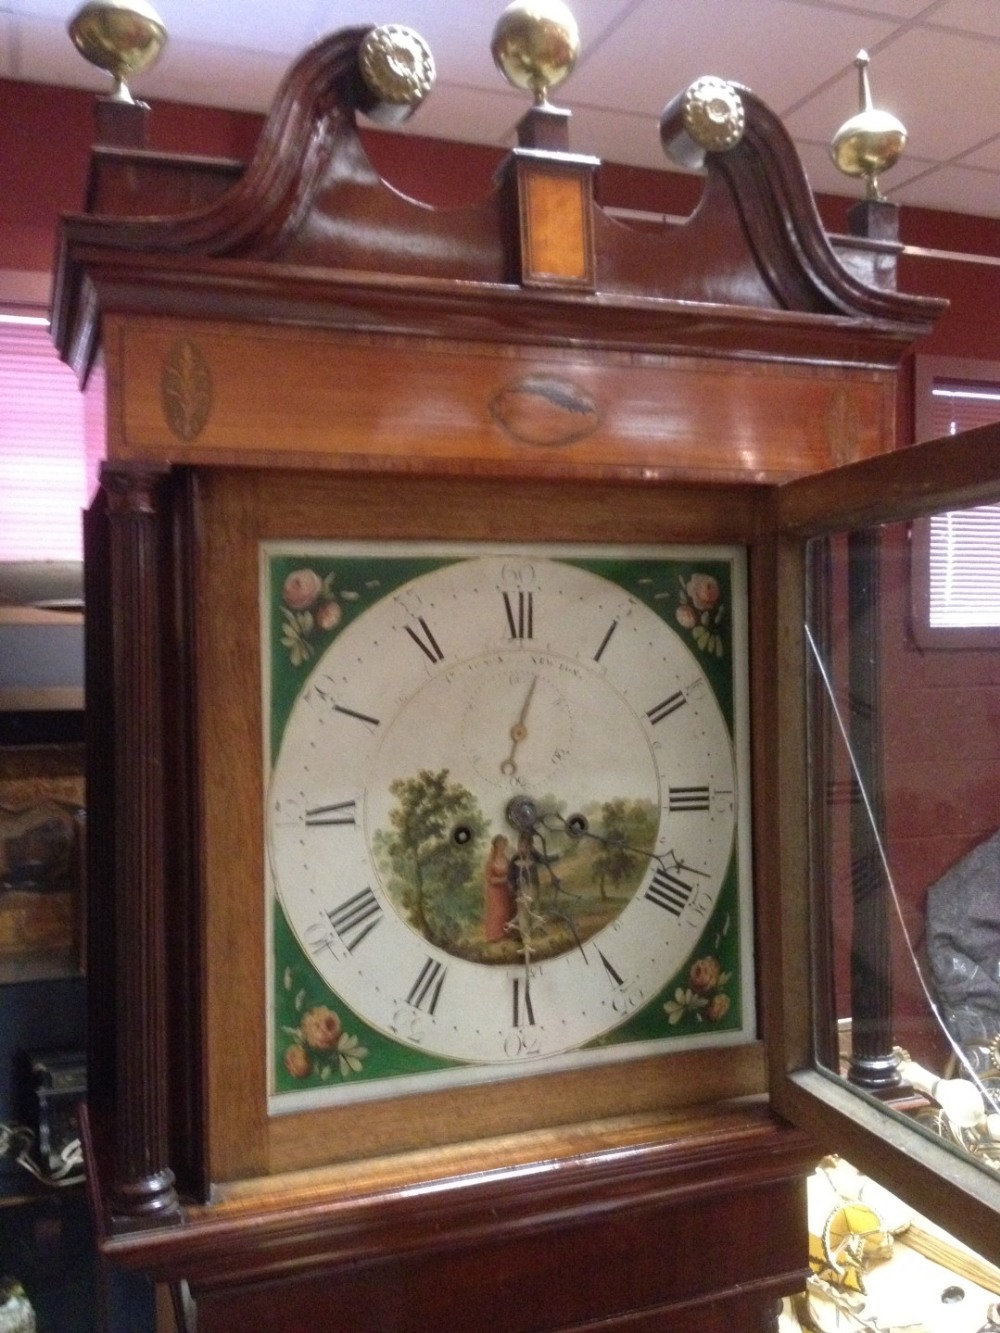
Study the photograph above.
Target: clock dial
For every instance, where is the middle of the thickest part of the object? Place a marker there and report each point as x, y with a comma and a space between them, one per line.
504, 808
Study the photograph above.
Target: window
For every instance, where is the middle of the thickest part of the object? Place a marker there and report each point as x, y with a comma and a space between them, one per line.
956, 555
42, 446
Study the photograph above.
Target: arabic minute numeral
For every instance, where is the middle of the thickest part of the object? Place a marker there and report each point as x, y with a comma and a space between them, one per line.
319, 937
628, 996
628, 999
520, 1042
410, 1024
699, 906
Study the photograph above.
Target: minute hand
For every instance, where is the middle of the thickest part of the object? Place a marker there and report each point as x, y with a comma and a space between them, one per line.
576, 827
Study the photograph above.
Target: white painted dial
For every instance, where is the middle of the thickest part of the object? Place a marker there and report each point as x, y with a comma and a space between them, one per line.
398, 844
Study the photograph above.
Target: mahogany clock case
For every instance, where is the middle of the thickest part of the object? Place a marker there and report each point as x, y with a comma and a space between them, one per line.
223, 1144
210, 524
308, 357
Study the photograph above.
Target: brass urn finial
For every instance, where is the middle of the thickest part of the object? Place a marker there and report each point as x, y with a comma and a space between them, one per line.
870, 142
120, 36
535, 45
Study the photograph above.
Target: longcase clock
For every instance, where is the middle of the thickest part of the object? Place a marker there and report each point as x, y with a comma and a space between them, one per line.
435, 616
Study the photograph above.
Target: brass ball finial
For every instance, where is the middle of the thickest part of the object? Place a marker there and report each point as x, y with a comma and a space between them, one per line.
535, 45
870, 142
120, 36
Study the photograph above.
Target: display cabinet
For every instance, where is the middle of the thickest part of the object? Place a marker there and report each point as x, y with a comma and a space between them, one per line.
452, 728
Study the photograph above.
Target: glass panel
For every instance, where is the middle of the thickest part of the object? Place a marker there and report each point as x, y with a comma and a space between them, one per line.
905, 810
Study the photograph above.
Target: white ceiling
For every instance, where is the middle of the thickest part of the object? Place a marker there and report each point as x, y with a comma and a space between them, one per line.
935, 65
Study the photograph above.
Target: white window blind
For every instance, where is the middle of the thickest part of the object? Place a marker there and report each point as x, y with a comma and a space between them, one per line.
42, 449
964, 544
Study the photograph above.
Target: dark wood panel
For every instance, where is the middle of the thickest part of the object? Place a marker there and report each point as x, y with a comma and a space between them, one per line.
923, 479
719, 1263
650, 1217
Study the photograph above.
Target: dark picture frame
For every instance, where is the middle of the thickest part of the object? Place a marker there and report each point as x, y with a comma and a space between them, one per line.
42, 840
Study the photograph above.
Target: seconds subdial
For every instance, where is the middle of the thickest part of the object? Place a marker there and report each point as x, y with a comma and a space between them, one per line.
518, 726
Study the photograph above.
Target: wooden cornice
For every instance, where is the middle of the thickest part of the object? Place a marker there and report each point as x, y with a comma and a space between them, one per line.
309, 217
763, 182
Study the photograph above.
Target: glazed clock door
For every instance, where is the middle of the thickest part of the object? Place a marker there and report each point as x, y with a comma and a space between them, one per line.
507, 810
894, 1058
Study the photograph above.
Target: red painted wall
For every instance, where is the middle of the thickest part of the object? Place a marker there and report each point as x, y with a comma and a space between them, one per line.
45, 140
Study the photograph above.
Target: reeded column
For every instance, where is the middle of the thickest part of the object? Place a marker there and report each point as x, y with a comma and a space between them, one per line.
873, 1064
142, 1183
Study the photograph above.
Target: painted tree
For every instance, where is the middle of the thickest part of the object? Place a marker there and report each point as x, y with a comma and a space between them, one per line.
628, 830
434, 843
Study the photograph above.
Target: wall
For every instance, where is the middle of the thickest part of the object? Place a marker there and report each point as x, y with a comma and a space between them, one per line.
45, 139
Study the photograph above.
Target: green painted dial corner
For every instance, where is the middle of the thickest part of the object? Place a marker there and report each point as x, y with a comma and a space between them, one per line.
416, 700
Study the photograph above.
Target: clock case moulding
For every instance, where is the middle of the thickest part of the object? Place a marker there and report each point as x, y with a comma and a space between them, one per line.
294, 349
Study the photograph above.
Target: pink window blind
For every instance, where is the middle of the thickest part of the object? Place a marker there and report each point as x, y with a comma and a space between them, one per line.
42, 449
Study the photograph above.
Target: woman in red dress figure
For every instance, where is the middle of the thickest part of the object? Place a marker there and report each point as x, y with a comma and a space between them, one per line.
498, 899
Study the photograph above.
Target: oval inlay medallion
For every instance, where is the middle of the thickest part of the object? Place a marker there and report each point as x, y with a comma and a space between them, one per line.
543, 410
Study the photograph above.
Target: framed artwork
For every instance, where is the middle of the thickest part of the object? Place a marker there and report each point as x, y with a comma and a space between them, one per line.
42, 835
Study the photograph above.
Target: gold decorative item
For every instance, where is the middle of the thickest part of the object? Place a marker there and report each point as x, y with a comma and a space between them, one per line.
713, 114
397, 65
535, 46
123, 37
870, 142
713, 120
